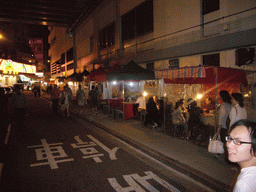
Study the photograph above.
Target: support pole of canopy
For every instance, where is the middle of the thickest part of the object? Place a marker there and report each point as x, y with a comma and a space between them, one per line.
165, 102
123, 99
108, 98
216, 99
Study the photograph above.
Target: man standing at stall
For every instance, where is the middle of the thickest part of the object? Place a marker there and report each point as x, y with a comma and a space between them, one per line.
93, 98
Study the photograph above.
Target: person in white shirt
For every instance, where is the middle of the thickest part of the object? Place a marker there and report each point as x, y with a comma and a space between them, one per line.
241, 146
141, 101
223, 113
238, 110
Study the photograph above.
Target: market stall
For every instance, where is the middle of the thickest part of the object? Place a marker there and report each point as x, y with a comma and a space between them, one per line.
127, 78
201, 82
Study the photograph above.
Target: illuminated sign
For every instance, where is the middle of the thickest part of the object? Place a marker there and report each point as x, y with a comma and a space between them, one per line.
10, 67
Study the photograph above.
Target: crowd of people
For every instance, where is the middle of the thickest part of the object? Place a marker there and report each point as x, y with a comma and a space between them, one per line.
65, 99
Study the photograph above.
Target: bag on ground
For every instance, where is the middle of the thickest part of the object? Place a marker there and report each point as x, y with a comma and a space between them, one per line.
216, 145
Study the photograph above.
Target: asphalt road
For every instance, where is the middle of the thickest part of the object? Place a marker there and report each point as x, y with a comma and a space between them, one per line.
59, 154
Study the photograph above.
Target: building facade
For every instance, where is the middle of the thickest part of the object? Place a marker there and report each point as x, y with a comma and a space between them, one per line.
14, 43
165, 33
60, 52
37, 47
158, 35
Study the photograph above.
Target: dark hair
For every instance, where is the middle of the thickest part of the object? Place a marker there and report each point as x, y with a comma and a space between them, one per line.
193, 104
179, 103
225, 96
251, 127
93, 87
16, 87
150, 100
238, 97
189, 100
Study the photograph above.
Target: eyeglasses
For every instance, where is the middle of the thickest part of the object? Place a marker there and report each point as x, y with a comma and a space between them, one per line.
236, 141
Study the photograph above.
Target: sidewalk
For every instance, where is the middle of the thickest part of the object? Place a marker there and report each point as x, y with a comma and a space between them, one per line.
185, 156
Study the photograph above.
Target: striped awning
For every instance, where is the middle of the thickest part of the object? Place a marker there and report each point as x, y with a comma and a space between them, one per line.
185, 72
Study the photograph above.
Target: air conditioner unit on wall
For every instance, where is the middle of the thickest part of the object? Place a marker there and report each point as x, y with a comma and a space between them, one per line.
245, 56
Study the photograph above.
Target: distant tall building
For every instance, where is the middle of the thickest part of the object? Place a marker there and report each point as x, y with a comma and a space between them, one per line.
37, 46
14, 43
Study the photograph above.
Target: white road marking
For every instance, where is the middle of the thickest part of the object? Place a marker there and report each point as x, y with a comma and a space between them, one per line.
50, 154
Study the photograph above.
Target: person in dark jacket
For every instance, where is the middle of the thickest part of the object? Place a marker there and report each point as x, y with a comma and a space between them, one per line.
3, 116
152, 116
195, 125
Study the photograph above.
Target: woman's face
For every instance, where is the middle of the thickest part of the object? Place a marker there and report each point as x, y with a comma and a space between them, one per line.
208, 102
155, 98
240, 153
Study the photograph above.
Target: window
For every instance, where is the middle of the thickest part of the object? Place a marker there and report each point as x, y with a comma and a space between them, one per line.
70, 54
63, 69
174, 63
245, 56
211, 60
128, 25
53, 40
150, 66
138, 21
144, 18
70, 66
107, 36
210, 6
91, 44
62, 59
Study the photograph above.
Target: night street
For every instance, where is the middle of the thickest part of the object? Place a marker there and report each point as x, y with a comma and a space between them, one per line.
158, 96
60, 154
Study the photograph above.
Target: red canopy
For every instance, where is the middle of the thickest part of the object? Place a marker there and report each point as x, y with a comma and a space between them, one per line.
101, 74
227, 78
202, 75
91, 76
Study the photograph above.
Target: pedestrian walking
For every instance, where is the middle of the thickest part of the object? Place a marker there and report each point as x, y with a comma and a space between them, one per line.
241, 146
35, 91
19, 105
49, 89
80, 95
93, 98
65, 101
55, 94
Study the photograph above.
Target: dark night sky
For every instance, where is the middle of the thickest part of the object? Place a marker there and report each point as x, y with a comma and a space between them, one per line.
38, 31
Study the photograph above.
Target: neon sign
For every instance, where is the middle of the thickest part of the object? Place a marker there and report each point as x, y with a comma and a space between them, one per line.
10, 67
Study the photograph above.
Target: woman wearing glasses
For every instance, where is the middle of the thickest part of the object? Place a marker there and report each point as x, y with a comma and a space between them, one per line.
241, 146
